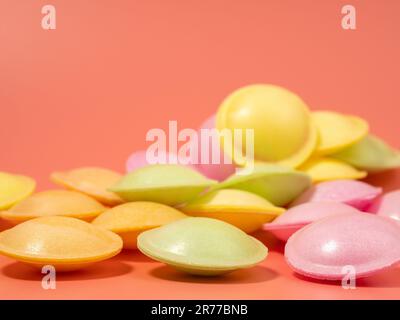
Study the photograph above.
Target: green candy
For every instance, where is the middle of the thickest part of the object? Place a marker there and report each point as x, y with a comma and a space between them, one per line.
168, 184
370, 154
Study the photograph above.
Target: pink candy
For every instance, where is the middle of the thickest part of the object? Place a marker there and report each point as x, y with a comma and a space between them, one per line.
388, 205
368, 243
357, 194
299, 216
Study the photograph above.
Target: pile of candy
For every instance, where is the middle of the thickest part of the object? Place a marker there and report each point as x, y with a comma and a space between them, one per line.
197, 218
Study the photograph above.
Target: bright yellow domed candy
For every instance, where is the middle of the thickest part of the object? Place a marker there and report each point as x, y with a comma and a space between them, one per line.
91, 181
63, 242
54, 203
14, 188
163, 183
370, 154
338, 131
243, 209
130, 219
202, 246
283, 128
324, 169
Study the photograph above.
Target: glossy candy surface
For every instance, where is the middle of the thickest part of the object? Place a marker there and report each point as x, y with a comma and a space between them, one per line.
354, 193
283, 128
243, 209
338, 131
130, 219
202, 246
387, 205
63, 242
91, 181
54, 203
279, 185
299, 216
167, 184
325, 169
14, 188
368, 243
370, 154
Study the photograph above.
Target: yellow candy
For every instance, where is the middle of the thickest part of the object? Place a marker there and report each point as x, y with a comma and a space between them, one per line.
337, 131
202, 246
130, 219
324, 169
54, 203
63, 242
91, 181
14, 188
283, 128
243, 209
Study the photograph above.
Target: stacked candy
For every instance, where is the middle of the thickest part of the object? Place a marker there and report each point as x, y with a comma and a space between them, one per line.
197, 218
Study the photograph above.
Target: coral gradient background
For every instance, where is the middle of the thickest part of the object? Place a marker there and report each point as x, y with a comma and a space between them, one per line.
87, 92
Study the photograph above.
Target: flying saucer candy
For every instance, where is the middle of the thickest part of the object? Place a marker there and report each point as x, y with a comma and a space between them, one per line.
129, 219
14, 188
387, 205
243, 209
91, 181
299, 216
278, 184
337, 131
324, 249
224, 166
168, 184
370, 154
283, 129
65, 243
202, 246
54, 203
325, 169
354, 193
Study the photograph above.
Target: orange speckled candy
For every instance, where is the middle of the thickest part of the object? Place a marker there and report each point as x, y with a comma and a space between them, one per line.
91, 181
130, 219
63, 242
54, 203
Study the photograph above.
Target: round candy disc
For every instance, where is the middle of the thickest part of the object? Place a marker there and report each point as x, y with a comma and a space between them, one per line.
63, 242
325, 169
14, 188
370, 154
326, 249
387, 205
54, 203
202, 246
354, 193
243, 209
299, 216
168, 184
91, 181
337, 131
283, 128
130, 219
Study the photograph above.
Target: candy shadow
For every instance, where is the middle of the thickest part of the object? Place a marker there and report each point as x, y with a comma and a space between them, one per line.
106, 269
269, 240
386, 279
134, 256
253, 275
389, 179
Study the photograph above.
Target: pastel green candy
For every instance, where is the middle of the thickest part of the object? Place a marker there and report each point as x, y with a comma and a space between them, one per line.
202, 246
163, 183
371, 154
278, 184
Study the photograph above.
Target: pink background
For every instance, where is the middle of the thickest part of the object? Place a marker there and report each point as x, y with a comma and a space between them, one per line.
87, 92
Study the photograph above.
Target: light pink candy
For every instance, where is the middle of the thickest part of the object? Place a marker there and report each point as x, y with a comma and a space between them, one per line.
388, 205
355, 193
138, 160
299, 216
367, 242
218, 171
